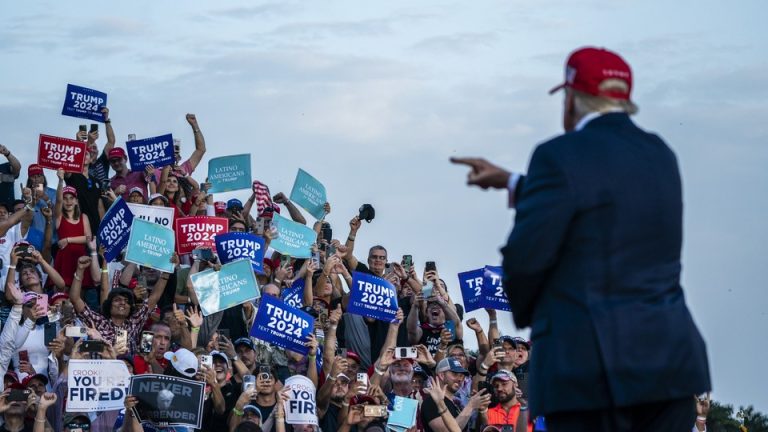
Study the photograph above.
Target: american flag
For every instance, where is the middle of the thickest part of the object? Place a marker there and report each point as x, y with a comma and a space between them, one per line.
263, 197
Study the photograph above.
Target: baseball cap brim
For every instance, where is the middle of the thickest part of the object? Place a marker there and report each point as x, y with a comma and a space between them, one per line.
557, 88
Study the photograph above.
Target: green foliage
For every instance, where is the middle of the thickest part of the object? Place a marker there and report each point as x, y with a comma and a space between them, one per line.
722, 418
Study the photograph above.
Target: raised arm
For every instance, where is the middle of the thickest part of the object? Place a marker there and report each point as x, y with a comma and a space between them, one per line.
74, 291
48, 235
59, 197
412, 324
199, 152
15, 165
349, 258
157, 290
293, 211
110, 132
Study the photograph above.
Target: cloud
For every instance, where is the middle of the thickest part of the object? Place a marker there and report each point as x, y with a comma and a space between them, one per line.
459, 44
250, 12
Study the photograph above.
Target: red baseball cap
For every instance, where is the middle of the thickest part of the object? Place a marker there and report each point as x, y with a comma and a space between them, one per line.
34, 169
69, 190
117, 153
220, 207
56, 297
588, 68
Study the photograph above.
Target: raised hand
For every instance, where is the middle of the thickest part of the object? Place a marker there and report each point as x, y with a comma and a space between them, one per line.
280, 198
83, 262
480, 400
192, 120
47, 400
484, 174
355, 224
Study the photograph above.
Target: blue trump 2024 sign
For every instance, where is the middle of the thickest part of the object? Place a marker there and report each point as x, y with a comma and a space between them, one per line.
493, 291
294, 239
282, 325
151, 245
471, 283
309, 193
234, 284
238, 245
115, 229
294, 296
230, 173
82, 102
372, 297
156, 151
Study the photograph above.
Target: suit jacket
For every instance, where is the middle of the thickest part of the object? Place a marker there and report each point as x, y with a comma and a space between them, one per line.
593, 266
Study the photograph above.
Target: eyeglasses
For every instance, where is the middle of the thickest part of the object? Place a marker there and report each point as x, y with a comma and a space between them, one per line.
378, 257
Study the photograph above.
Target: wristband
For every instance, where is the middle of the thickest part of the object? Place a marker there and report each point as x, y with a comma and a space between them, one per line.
104, 271
483, 374
77, 277
345, 404
195, 330
524, 408
107, 121
331, 378
483, 367
237, 412
378, 371
443, 411
12, 266
493, 321
351, 238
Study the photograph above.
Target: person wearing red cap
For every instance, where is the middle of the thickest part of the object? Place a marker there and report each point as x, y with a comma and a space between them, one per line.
124, 181
44, 197
593, 263
73, 228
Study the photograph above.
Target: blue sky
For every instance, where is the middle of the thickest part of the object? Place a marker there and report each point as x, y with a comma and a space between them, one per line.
373, 98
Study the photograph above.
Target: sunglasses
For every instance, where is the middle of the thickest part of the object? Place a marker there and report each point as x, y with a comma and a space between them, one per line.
378, 257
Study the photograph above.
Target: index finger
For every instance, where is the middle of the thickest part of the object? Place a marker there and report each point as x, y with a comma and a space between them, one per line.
469, 161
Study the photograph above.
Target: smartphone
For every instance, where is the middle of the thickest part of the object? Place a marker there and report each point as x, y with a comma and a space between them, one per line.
249, 381
259, 227
426, 290
131, 137
330, 251
18, 395
265, 370
407, 263
225, 333
388, 269
206, 360
121, 337
316, 259
285, 260
326, 232
51, 329
497, 343
451, 327
42, 302
430, 266
342, 352
92, 346
145, 344
374, 411
83, 128
141, 280
362, 378
24, 356
406, 353
94, 127
75, 332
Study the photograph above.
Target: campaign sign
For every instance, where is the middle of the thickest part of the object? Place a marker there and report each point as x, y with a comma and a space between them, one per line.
294, 239
282, 325
493, 291
471, 283
294, 296
115, 229
96, 385
300, 408
236, 245
234, 284
156, 151
155, 214
150, 245
403, 414
309, 193
84, 103
230, 173
56, 152
195, 231
168, 401
372, 297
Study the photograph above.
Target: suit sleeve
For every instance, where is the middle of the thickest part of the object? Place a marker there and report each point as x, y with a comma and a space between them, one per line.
545, 205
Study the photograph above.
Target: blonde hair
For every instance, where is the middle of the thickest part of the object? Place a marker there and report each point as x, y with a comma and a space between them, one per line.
585, 103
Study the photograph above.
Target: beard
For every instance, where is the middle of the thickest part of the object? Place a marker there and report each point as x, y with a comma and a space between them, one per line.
400, 378
338, 398
506, 397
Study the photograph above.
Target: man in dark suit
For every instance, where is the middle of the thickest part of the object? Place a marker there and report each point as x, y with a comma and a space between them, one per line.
593, 264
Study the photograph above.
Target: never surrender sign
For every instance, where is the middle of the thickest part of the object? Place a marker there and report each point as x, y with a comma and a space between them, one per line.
156, 151
234, 284
372, 297
56, 152
237, 245
115, 229
168, 401
282, 325
82, 102
96, 385
493, 291
471, 283
195, 231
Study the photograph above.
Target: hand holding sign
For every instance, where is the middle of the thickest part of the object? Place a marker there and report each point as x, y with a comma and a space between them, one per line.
82, 102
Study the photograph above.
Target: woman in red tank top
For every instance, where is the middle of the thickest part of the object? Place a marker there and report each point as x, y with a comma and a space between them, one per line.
74, 229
